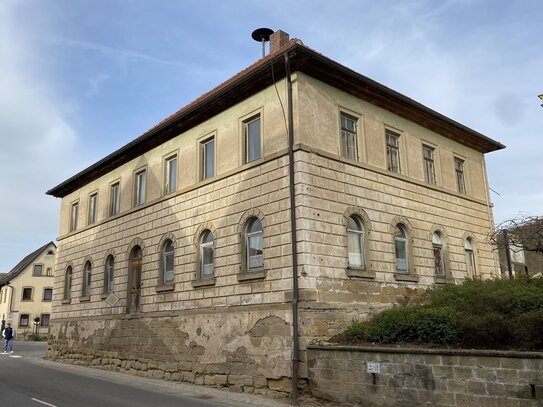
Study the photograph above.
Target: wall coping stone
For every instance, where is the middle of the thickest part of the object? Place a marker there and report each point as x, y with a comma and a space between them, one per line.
431, 351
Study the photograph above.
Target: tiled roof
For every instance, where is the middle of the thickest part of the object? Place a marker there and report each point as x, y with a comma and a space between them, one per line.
23, 264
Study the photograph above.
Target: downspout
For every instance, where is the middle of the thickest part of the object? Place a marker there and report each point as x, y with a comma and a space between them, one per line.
295, 341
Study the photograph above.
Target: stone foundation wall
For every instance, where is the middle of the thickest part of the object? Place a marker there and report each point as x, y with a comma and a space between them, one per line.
426, 377
248, 351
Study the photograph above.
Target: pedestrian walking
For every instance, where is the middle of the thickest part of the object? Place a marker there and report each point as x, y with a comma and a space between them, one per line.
7, 334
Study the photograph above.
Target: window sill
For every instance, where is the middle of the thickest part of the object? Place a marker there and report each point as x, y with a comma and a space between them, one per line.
44, 300
85, 298
66, 301
165, 288
360, 273
103, 296
203, 282
405, 277
259, 274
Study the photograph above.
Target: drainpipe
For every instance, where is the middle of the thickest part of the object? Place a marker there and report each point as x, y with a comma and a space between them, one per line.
295, 341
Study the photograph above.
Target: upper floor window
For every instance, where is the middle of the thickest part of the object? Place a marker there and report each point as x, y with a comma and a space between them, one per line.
400, 248
27, 294
47, 294
168, 252
349, 148
68, 283
38, 270
459, 170
49, 272
470, 257
109, 274
208, 158
429, 168
73, 216
253, 244
170, 174
140, 181
437, 245
206, 254
93, 201
87, 279
393, 151
114, 198
355, 241
252, 139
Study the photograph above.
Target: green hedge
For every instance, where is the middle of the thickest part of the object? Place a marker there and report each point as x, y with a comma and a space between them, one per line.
483, 314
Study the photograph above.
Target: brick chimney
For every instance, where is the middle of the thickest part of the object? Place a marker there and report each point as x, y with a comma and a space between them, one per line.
277, 40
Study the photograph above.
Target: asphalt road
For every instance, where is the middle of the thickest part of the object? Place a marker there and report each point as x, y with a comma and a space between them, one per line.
27, 380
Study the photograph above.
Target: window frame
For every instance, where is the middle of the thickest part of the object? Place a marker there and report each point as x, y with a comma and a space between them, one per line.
428, 164
42, 319
45, 289
345, 132
471, 262
68, 282
74, 215
34, 270
247, 237
390, 148
460, 175
203, 145
168, 172
140, 186
115, 198
203, 246
31, 297
24, 325
246, 139
360, 236
439, 255
109, 274
87, 279
164, 263
93, 208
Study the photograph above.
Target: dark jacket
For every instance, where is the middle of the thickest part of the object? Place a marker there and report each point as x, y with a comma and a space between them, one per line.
8, 333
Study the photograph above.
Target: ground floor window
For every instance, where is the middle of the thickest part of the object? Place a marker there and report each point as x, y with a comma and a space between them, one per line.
23, 320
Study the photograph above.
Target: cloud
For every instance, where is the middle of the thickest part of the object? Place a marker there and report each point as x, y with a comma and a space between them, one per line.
37, 144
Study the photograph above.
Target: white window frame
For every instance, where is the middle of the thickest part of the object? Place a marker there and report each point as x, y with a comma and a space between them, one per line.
168, 276
460, 175
115, 198
170, 180
204, 145
405, 242
248, 238
74, 213
246, 139
207, 270
360, 238
140, 186
109, 274
93, 208
87, 279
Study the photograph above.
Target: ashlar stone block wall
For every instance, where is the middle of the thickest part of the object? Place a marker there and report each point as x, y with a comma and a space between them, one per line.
426, 377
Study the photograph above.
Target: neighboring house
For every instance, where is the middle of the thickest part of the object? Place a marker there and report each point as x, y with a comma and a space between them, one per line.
26, 292
521, 260
189, 226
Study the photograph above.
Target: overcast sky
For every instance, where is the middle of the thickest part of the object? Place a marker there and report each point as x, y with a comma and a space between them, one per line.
79, 79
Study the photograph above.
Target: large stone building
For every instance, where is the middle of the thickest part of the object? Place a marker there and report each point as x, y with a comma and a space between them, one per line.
175, 255
26, 292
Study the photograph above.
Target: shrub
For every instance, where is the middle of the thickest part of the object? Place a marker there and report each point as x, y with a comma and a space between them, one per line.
528, 330
36, 338
355, 331
490, 331
414, 324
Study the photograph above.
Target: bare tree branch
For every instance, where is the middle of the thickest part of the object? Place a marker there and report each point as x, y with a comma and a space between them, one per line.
522, 233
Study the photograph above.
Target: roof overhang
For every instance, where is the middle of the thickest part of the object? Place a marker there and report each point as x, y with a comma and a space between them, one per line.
261, 75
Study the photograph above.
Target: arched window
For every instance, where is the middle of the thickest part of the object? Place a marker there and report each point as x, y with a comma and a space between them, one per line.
437, 245
470, 257
355, 242
167, 262
253, 244
400, 248
87, 279
206, 254
109, 274
68, 283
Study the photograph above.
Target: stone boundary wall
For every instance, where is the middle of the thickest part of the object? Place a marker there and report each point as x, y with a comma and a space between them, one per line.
412, 377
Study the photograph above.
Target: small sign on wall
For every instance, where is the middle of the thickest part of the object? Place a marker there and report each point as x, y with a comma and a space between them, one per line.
374, 367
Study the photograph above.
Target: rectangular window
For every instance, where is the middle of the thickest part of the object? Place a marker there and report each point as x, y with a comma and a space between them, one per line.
348, 137
208, 158
459, 169
438, 261
44, 320
140, 182
23, 320
93, 200
49, 272
27, 294
429, 169
73, 216
170, 175
47, 294
114, 199
38, 269
252, 140
393, 151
